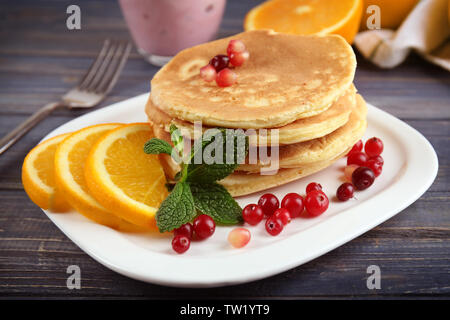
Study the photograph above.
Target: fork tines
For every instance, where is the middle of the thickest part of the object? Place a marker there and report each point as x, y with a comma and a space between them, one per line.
105, 70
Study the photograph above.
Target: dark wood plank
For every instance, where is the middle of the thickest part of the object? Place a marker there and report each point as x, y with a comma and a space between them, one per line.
40, 59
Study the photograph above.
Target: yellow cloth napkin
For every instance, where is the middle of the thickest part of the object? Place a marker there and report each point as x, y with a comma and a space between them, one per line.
425, 30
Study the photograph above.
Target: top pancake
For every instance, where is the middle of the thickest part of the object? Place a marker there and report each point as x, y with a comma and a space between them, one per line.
287, 77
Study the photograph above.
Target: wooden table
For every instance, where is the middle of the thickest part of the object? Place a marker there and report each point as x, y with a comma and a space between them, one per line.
40, 59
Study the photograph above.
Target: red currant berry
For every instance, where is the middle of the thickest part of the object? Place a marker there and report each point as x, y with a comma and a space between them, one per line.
316, 202
293, 202
226, 78
269, 203
374, 147
220, 62
208, 73
237, 59
252, 214
282, 214
239, 237
357, 147
345, 191
363, 178
274, 226
313, 186
204, 226
185, 230
180, 243
378, 159
235, 46
358, 158
376, 167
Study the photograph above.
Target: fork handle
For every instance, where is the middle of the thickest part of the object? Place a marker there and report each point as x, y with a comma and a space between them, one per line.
25, 126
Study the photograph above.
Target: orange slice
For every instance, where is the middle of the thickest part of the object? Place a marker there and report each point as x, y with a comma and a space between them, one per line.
125, 179
307, 17
38, 177
70, 159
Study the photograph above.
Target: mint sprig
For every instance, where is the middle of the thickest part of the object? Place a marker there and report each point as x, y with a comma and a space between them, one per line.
208, 173
196, 189
215, 201
176, 209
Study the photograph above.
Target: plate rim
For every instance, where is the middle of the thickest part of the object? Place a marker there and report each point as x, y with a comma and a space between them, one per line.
343, 232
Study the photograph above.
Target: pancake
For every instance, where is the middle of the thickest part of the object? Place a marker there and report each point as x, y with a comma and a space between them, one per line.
305, 155
241, 184
324, 148
287, 77
300, 130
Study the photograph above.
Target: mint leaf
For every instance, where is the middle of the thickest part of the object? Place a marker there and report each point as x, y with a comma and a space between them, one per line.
221, 151
215, 201
177, 138
177, 209
208, 173
157, 146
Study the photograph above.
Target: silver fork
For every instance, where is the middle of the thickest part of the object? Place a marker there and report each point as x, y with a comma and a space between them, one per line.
98, 81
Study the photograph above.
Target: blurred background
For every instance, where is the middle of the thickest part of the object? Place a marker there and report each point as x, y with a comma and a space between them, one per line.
40, 58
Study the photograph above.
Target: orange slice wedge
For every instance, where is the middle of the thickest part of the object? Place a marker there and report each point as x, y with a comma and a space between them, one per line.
38, 177
125, 179
321, 17
70, 158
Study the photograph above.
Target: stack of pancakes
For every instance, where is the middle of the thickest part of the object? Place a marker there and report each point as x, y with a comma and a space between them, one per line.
300, 85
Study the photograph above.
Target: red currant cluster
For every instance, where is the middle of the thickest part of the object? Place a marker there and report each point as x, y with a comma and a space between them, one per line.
218, 68
203, 227
292, 206
362, 167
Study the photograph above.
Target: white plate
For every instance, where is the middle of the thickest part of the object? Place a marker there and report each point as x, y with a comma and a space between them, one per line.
410, 168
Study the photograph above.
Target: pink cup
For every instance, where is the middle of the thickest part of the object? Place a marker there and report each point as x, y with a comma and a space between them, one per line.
161, 28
